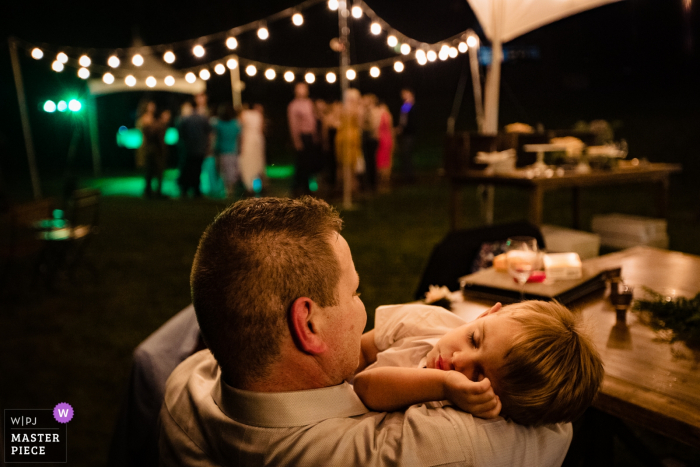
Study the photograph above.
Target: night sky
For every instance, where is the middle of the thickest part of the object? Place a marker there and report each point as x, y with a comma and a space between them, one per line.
633, 63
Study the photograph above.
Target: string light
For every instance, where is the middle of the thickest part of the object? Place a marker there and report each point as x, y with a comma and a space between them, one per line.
310, 78
398, 67
83, 73
333, 5
137, 60
198, 51
231, 43
49, 106
130, 81
356, 12
472, 41
350, 74
169, 80
113, 61
250, 70
330, 77
444, 53
270, 74
297, 19
392, 41
84, 61
169, 56
219, 69
288, 75
462, 47
108, 78
61, 57
405, 49
204, 74
57, 66
190, 77
37, 53
375, 29
453, 52
374, 72
232, 63
74, 105
62, 106
151, 82
431, 55
263, 33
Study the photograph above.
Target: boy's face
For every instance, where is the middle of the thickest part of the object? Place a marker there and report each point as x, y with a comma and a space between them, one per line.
476, 349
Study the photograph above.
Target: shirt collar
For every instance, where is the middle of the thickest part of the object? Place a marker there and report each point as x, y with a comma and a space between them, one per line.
287, 409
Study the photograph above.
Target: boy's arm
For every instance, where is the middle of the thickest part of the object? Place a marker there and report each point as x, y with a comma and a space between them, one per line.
390, 388
368, 351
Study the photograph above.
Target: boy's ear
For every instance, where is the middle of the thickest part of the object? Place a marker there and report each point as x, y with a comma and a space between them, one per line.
304, 321
493, 309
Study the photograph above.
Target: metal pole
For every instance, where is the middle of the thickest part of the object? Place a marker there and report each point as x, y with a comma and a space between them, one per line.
94, 136
236, 85
476, 84
344, 30
24, 115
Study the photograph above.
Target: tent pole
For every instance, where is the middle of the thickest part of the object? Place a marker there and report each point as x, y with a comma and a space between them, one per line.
236, 86
344, 30
94, 137
493, 77
24, 115
476, 85
457, 103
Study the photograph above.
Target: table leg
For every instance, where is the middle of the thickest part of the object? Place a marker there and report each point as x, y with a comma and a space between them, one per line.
455, 205
576, 207
536, 197
662, 194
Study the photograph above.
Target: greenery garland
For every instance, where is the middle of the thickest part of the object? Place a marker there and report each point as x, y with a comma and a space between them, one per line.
679, 315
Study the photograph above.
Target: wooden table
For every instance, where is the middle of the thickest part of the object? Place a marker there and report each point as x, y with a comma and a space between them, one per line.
648, 382
654, 173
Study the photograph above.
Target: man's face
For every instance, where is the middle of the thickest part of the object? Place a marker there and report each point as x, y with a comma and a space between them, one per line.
476, 349
301, 91
346, 320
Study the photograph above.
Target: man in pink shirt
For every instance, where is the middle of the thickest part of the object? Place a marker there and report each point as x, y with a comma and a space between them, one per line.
302, 127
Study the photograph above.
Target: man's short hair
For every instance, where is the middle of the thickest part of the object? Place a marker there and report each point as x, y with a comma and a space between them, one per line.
253, 261
553, 371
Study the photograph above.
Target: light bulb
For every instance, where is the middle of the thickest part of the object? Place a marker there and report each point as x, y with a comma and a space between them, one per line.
350, 74
113, 61
137, 60
61, 57
472, 41
263, 33
57, 66
374, 72
49, 106
297, 19
151, 82
332, 5
330, 77
405, 49
190, 77
74, 105
84, 61
462, 47
392, 41
310, 78
431, 55
232, 63
444, 54
169, 80
169, 57
130, 81
204, 74
453, 52
289, 76
198, 51
83, 73
37, 54
231, 43
250, 70
108, 78
219, 69
420, 53
421, 59
398, 67
270, 74
62, 106
356, 12
375, 28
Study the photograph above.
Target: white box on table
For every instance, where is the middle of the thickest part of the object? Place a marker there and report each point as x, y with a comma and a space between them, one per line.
624, 231
559, 266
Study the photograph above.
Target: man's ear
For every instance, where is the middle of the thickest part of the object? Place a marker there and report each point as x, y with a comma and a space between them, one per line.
305, 317
493, 309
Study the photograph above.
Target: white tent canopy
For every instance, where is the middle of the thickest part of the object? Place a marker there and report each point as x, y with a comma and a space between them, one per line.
504, 20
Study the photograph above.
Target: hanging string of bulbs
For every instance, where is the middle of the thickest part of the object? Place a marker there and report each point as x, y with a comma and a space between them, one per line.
406, 49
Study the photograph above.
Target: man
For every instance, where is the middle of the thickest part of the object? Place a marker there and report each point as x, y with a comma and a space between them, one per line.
302, 128
406, 131
195, 132
275, 291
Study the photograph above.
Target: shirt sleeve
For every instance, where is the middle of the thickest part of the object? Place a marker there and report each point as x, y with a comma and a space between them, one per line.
396, 322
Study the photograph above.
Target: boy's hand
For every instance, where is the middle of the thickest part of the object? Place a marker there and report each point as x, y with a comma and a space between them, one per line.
477, 398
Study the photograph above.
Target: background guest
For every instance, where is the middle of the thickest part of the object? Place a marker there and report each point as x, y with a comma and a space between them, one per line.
227, 131
406, 131
302, 129
251, 161
195, 132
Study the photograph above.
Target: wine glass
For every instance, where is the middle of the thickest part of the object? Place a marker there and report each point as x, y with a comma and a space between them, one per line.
522, 260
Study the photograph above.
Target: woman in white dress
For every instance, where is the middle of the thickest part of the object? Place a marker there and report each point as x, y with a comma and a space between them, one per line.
251, 161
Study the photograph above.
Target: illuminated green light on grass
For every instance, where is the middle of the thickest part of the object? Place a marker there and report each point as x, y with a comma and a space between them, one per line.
74, 105
62, 106
49, 106
171, 136
279, 171
130, 139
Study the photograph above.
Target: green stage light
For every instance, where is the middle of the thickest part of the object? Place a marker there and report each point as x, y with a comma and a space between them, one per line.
74, 105
62, 106
49, 106
279, 171
171, 136
130, 139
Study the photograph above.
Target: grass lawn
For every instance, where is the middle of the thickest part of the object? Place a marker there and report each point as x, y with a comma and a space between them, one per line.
75, 345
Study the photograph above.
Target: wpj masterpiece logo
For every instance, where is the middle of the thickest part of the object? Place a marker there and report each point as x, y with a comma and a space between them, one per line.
37, 435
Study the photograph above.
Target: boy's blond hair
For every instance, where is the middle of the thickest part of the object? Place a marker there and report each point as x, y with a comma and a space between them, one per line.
553, 371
